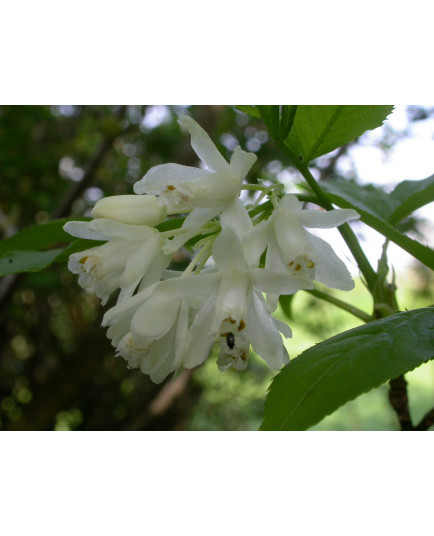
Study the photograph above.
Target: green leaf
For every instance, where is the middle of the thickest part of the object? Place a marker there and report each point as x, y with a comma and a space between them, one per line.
326, 376
285, 302
36, 237
408, 196
278, 119
317, 130
362, 199
27, 261
170, 224
366, 197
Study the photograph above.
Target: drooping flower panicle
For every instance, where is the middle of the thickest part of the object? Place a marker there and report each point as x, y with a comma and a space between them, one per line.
165, 320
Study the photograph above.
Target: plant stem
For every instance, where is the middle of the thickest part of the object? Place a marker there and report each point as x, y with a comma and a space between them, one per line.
399, 401
341, 304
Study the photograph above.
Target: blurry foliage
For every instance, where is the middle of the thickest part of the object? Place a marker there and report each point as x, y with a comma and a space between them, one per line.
57, 368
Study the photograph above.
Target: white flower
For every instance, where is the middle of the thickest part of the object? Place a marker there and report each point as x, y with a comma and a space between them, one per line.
132, 209
149, 331
204, 192
182, 188
133, 254
234, 313
292, 249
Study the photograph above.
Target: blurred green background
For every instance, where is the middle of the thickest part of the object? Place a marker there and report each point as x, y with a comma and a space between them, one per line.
57, 369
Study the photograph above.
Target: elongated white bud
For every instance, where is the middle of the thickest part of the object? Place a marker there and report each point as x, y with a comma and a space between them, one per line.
132, 209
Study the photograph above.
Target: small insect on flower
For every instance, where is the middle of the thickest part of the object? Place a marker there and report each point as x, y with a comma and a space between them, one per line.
230, 340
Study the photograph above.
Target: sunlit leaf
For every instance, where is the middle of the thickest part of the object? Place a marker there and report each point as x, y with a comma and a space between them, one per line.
317, 130
338, 370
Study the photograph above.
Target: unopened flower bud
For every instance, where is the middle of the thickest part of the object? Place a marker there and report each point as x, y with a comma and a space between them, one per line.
132, 209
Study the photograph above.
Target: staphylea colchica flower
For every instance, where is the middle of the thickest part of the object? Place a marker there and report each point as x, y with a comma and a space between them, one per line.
165, 320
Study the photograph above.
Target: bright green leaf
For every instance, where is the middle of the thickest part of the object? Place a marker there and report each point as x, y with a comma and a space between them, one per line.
338, 370
26, 261
317, 130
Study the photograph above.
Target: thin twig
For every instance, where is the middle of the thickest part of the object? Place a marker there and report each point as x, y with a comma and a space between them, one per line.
399, 401
341, 304
10, 282
64, 207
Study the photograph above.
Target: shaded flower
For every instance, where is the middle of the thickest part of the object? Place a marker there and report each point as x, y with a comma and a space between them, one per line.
132, 255
149, 332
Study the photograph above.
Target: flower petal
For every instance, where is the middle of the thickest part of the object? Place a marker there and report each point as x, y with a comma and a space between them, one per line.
139, 262
278, 283
241, 162
263, 334
201, 336
255, 242
83, 229
203, 145
236, 217
128, 307
189, 286
158, 178
106, 229
330, 270
154, 318
326, 219
181, 334
290, 235
227, 251
290, 202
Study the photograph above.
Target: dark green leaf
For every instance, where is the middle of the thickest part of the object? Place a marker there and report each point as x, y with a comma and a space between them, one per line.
351, 195
367, 197
26, 261
37, 237
328, 375
285, 302
408, 196
170, 223
317, 130
278, 119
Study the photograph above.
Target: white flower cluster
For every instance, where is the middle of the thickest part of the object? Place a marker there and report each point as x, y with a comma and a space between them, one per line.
166, 320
